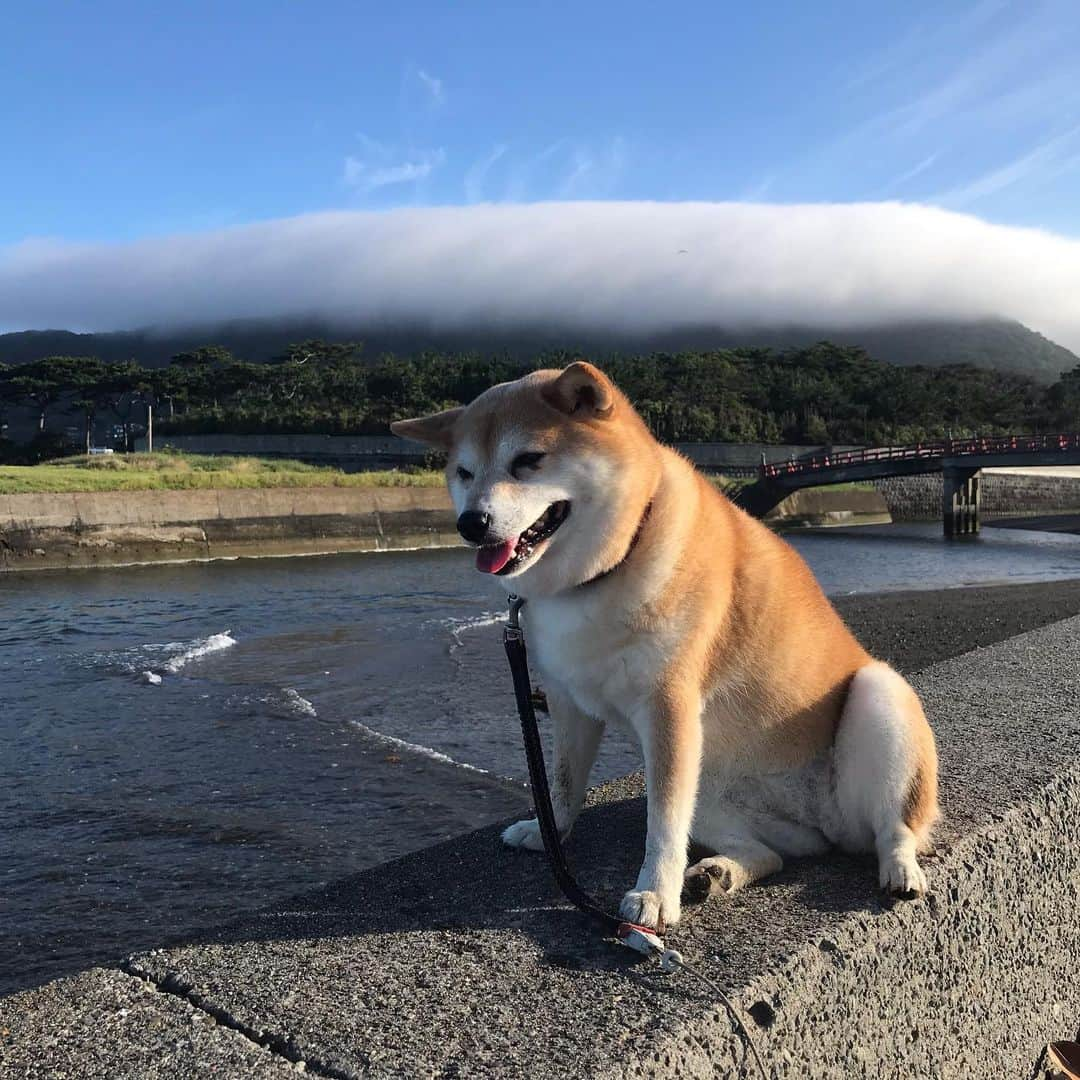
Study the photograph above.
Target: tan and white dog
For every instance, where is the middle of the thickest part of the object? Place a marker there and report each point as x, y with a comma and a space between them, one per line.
653, 602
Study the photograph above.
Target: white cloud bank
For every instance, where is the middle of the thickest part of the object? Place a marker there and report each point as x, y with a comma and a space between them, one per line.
636, 266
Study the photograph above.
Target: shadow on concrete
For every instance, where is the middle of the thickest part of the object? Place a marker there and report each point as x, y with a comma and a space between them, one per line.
475, 884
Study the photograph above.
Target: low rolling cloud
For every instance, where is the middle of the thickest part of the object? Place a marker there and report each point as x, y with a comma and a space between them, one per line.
631, 266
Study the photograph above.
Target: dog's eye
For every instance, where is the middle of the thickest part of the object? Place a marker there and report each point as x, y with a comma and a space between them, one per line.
526, 461
463, 474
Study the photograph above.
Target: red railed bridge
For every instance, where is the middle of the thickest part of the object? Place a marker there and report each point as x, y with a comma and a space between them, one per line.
958, 460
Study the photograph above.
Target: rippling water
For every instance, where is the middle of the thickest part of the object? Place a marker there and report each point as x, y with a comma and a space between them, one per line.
181, 742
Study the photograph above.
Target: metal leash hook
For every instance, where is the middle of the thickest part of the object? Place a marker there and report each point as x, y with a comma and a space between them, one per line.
516, 603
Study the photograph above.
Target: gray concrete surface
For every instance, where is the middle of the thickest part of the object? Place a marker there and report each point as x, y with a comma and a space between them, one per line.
464, 961
110, 1024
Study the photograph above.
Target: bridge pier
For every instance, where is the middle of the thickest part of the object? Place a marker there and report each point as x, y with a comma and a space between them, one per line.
960, 502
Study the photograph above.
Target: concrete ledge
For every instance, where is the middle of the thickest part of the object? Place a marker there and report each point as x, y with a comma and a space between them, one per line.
107, 1023
463, 960
106, 528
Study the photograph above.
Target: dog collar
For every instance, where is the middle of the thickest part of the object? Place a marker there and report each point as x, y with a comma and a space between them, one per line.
629, 551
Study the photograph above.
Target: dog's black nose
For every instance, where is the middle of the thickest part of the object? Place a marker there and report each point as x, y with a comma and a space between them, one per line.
473, 525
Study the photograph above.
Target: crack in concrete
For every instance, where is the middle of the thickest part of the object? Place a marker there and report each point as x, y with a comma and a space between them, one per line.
279, 1045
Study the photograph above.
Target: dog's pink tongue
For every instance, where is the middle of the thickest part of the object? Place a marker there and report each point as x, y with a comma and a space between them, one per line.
492, 559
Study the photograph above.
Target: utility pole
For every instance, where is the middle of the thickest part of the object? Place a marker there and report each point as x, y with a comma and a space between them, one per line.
149, 426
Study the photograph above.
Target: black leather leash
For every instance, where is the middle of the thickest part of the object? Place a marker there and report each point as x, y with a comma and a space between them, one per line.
514, 642
641, 938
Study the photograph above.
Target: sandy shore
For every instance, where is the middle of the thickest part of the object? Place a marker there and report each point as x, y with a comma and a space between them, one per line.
912, 630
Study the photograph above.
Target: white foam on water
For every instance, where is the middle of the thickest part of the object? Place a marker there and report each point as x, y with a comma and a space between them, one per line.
299, 704
199, 647
152, 660
458, 627
414, 748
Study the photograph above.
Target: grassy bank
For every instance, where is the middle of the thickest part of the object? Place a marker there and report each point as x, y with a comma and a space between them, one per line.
173, 471
182, 472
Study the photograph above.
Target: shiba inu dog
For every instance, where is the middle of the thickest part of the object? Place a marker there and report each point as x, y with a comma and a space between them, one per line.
653, 602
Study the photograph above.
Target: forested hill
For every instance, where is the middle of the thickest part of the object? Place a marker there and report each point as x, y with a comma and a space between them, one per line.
819, 394
1000, 344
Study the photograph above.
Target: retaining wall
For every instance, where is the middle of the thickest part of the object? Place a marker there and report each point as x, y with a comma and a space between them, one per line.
106, 528
1002, 494
102, 528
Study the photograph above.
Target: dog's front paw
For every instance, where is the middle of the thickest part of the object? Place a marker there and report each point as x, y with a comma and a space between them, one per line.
652, 909
524, 834
901, 876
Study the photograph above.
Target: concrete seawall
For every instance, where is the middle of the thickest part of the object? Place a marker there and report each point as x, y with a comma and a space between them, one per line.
106, 528
103, 528
51, 531
1003, 493
463, 960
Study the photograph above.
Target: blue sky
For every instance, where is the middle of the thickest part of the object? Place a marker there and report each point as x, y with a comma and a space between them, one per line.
129, 120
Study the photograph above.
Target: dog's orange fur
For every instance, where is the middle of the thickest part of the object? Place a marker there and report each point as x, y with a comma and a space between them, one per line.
748, 635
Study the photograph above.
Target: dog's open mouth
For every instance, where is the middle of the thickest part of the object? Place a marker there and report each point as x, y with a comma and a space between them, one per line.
506, 557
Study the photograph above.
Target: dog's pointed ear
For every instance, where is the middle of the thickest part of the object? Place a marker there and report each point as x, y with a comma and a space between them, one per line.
582, 391
435, 430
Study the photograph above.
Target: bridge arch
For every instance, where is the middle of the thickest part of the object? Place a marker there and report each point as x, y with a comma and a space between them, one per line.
958, 460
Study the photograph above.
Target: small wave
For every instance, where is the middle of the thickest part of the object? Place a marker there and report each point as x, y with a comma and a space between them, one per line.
281, 702
199, 647
414, 748
155, 658
151, 678
458, 627
299, 704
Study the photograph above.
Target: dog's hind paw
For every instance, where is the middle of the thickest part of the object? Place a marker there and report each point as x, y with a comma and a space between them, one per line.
524, 834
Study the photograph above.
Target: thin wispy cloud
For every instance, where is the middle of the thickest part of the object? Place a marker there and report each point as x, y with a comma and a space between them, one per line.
1012, 56
937, 33
1047, 160
593, 171
985, 76
590, 266
759, 191
908, 175
477, 174
421, 95
581, 165
378, 166
563, 168
433, 85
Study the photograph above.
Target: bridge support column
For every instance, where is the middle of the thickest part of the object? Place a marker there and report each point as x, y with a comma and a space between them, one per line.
960, 502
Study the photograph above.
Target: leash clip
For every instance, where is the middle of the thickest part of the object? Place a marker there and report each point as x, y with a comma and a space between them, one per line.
648, 941
639, 938
516, 603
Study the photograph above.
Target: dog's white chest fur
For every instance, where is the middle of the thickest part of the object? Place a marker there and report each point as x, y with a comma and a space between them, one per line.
608, 670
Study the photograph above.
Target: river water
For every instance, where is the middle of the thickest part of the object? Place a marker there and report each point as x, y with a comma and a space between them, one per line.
180, 743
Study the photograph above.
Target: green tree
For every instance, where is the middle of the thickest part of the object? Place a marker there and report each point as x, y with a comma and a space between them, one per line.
43, 383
